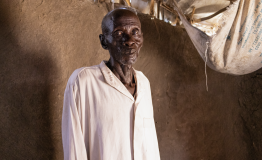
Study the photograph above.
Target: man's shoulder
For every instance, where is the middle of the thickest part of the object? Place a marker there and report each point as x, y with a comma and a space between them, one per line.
83, 73
140, 75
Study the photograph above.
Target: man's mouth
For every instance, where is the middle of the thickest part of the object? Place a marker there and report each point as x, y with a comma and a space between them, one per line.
130, 52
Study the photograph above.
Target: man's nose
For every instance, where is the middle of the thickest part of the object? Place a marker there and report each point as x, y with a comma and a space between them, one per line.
128, 41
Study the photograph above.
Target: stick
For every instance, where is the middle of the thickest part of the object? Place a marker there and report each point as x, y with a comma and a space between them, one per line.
158, 8
211, 16
152, 7
128, 3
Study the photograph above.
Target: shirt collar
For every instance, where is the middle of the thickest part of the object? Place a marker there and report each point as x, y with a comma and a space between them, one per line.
113, 81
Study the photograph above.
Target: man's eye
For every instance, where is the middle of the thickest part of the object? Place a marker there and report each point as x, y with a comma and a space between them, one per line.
135, 31
118, 33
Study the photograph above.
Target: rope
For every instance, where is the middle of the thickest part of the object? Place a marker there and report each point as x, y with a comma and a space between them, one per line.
206, 65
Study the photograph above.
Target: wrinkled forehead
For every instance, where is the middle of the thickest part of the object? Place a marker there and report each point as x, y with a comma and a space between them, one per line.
120, 18
126, 20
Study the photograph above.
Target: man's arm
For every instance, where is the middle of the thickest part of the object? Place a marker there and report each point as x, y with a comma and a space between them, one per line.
73, 140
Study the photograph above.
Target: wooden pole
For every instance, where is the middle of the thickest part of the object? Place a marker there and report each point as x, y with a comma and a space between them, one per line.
158, 8
192, 14
152, 7
128, 3
163, 13
113, 4
211, 16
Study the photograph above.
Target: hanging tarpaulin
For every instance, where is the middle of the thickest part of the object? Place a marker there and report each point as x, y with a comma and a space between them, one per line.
236, 47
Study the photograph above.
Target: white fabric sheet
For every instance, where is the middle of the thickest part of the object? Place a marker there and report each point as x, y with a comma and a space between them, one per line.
102, 120
236, 48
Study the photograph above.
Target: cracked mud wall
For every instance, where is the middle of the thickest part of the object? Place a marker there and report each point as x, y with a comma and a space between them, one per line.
43, 41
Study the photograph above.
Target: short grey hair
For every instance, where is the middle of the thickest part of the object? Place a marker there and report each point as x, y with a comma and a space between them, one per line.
103, 25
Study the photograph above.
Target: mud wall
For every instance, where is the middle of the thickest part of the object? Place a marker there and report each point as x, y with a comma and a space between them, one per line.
43, 41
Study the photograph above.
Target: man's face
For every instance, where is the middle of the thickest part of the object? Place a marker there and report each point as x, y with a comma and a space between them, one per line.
124, 37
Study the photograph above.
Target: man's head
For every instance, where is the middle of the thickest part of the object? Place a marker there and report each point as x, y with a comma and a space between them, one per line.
122, 35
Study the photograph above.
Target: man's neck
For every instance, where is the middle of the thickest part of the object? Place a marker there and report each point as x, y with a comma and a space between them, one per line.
123, 72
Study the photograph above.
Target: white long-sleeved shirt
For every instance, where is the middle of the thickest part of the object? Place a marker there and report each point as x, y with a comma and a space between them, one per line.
102, 121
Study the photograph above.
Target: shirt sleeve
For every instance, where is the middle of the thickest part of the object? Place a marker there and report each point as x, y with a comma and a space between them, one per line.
72, 135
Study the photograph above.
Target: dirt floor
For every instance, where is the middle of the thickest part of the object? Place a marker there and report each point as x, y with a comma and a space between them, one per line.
43, 41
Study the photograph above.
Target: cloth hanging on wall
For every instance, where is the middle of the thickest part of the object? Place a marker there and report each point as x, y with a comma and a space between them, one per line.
236, 48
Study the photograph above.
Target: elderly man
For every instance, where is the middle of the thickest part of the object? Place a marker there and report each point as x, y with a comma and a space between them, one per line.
108, 112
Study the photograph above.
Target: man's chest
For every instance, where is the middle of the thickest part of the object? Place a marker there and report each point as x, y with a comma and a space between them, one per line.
107, 103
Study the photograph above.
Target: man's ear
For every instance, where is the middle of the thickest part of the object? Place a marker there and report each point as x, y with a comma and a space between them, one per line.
103, 41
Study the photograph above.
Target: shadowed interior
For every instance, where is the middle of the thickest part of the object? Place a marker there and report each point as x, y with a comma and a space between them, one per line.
43, 41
